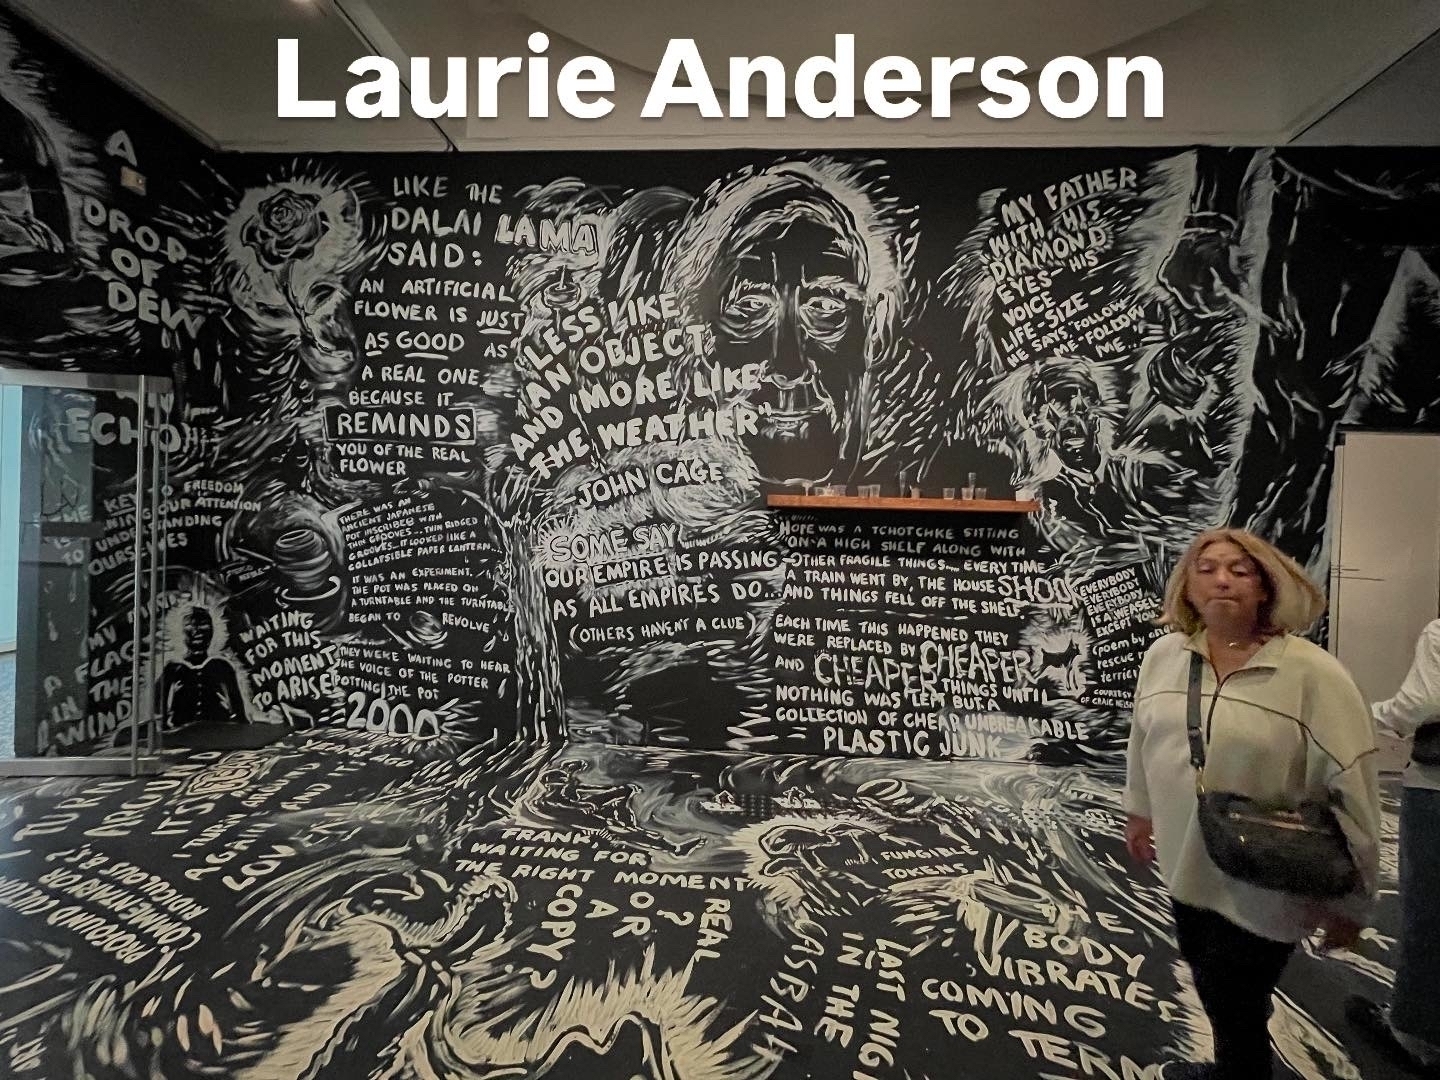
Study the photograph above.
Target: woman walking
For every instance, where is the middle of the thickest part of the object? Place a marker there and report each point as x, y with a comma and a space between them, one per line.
1283, 723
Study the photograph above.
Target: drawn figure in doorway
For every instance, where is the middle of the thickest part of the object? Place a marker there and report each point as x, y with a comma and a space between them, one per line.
200, 688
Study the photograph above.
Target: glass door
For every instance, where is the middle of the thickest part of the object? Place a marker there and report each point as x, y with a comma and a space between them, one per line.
81, 468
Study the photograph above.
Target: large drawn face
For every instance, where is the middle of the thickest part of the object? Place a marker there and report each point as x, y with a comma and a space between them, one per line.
792, 308
1064, 407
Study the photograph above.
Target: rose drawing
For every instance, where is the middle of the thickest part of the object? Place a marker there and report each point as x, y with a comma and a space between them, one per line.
286, 226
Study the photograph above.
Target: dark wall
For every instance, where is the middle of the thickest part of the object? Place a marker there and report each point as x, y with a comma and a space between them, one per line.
576, 377
93, 272
99, 259
479, 444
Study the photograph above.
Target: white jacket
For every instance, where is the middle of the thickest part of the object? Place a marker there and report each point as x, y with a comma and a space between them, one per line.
1416, 702
1290, 724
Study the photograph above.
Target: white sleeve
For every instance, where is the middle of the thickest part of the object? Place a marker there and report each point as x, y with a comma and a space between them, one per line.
1418, 698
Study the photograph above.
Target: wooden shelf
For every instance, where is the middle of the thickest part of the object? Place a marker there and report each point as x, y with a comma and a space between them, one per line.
856, 502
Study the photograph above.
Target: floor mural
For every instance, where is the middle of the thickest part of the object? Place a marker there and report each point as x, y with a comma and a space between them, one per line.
342, 905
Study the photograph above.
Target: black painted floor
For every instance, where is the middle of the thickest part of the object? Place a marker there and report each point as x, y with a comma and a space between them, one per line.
339, 906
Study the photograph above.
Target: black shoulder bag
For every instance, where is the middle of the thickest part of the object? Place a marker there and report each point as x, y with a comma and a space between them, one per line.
1302, 852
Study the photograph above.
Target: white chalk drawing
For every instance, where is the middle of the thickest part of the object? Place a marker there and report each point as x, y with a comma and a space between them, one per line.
357, 905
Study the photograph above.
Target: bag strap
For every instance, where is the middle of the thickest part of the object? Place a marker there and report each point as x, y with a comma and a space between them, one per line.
1192, 713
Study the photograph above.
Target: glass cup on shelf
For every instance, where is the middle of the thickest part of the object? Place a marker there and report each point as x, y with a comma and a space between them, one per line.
948, 493
833, 489
869, 491
980, 493
915, 491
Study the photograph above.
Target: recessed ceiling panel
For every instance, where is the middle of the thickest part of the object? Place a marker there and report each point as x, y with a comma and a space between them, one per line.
635, 32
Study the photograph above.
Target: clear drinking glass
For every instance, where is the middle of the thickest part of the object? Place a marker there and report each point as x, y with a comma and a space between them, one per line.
948, 492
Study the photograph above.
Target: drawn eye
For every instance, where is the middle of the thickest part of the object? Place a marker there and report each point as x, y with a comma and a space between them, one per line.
825, 306
749, 305
825, 317
749, 314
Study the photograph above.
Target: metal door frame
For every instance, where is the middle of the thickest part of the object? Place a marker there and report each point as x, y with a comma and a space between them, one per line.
134, 764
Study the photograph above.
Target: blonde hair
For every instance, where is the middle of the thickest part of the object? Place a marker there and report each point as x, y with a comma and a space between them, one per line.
1292, 600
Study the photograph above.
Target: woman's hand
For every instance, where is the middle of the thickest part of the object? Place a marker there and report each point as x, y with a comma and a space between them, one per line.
1340, 931
1140, 839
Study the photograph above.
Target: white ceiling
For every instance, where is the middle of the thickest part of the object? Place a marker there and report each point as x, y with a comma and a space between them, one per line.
635, 32
1236, 71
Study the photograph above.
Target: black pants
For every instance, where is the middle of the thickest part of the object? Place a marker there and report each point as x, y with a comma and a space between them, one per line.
1412, 1002
1235, 974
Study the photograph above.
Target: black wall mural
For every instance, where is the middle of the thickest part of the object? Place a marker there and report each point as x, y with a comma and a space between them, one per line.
576, 390
98, 262
93, 273
595, 763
